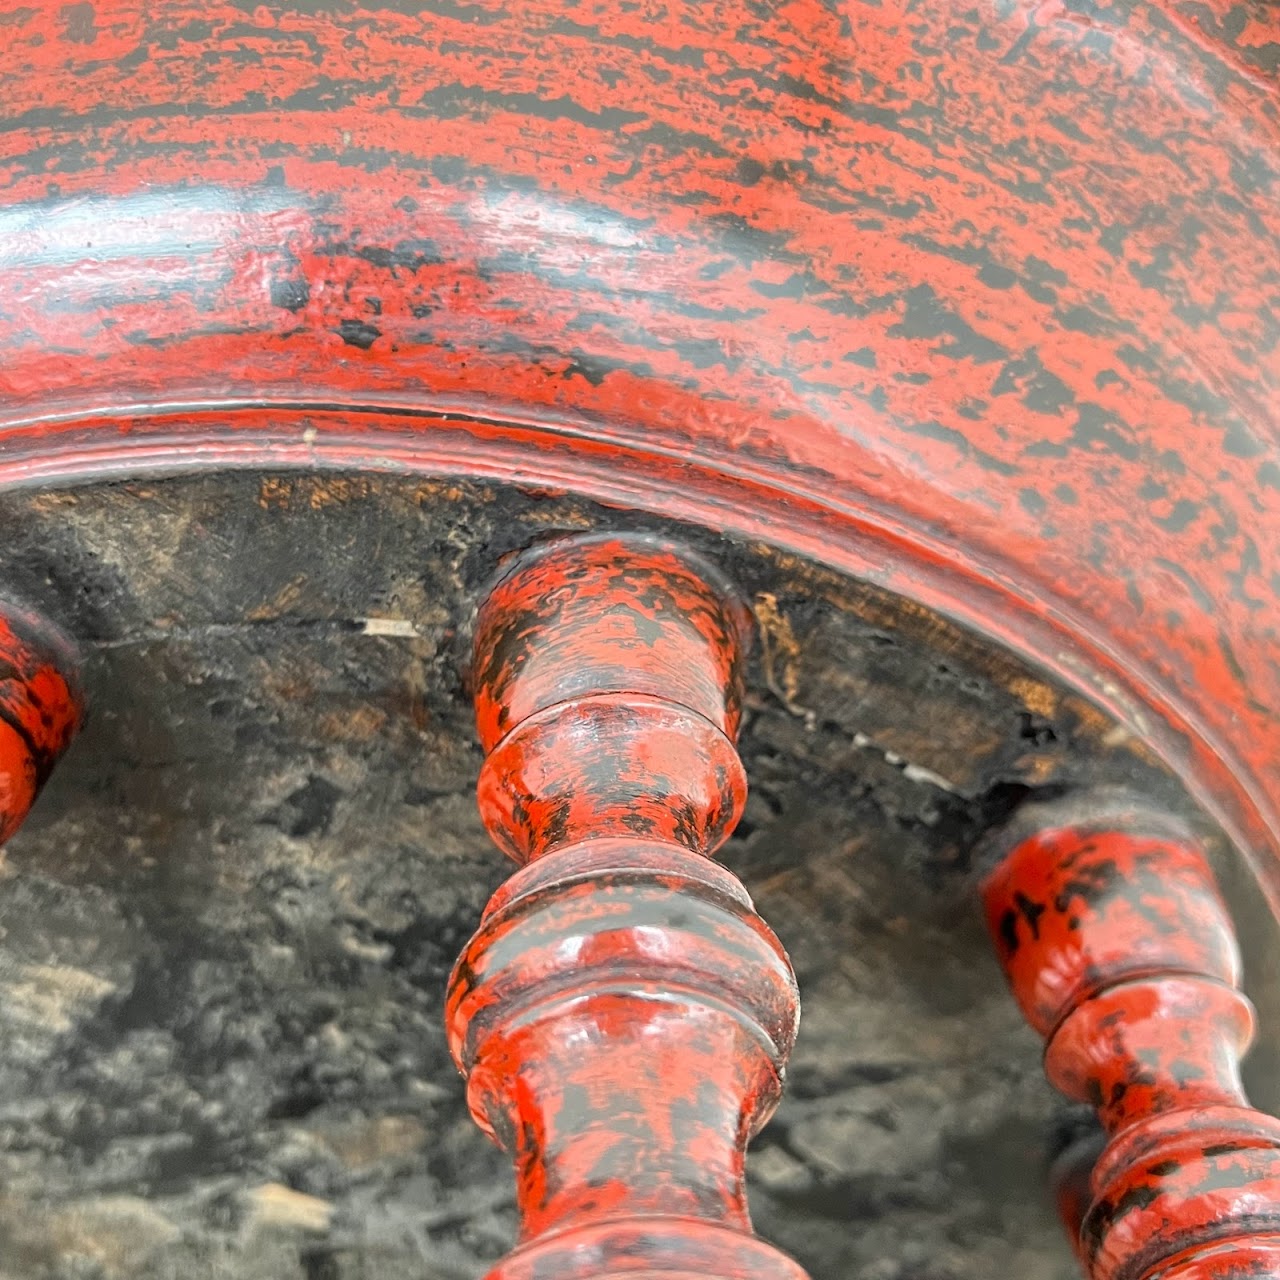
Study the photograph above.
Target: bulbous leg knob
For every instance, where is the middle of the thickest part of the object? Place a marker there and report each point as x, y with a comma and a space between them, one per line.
1121, 953
623, 1016
41, 708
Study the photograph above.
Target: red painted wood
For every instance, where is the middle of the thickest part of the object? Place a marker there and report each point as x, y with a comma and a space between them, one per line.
976, 296
41, 708
1120, 951
623, 1016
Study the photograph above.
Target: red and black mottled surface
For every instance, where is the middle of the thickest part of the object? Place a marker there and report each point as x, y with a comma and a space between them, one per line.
623, 1016
1121, 952
41, 707
608, 683
977, 297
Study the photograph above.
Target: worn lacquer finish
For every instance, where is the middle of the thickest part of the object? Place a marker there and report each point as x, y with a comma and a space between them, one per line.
976, 296
623, 1016
41, 707
1121, 953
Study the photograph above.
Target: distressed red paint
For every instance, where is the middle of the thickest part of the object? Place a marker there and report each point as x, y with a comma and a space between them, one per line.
40, 710
978, 296
1120, 951
623, 1016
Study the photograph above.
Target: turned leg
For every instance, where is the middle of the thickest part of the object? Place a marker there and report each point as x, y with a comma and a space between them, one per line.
1121, 954
40, 710
623, 1016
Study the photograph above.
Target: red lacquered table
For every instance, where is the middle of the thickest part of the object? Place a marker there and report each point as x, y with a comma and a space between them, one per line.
974, 304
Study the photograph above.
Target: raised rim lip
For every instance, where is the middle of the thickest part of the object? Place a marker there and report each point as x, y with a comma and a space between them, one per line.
739, 495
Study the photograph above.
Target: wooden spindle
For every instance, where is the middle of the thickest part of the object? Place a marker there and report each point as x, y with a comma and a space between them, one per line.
41, 708
623, 1016
1121, 953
